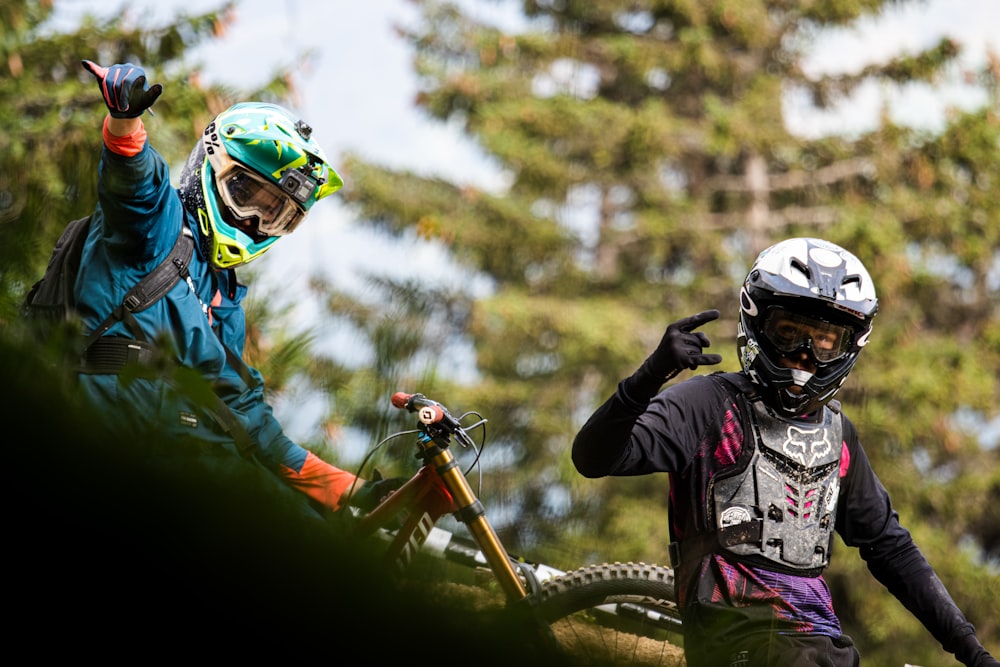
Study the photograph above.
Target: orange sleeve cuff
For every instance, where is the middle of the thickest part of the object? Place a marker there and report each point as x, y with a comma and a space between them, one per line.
128, 145
320, 481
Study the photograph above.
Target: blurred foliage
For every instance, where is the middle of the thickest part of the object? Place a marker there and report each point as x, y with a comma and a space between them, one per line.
185, 550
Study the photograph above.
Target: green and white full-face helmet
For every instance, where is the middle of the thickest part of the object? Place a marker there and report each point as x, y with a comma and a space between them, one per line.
251, 179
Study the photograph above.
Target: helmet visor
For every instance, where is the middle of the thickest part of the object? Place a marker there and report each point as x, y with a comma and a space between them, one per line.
790, 332
259, 206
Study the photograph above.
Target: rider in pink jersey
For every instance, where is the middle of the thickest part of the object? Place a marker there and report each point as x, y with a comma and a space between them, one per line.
764, 467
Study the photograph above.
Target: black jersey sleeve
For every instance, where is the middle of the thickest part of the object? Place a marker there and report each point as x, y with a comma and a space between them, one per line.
867, 520
626, 436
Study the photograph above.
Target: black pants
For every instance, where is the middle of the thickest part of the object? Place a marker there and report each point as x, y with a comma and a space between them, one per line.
773, 650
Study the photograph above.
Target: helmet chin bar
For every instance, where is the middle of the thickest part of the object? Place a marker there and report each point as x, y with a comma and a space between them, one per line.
800, 377
799, 404
791, 404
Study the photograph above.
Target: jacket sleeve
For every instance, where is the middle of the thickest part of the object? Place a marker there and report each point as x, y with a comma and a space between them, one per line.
867, 520
633, 433
243, 391
302, 469
136, 199
324, 483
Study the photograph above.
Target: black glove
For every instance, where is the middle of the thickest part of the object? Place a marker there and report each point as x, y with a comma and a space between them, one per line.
124, 88
680, 348
374, 491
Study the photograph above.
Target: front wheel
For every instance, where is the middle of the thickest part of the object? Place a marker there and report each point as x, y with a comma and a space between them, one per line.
614, 614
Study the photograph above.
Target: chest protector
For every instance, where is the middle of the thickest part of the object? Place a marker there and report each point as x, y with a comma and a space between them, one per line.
781, 503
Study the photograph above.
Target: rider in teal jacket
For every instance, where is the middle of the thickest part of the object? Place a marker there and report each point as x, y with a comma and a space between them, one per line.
251, 178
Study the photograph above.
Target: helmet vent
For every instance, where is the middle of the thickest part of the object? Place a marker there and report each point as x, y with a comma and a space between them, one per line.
797, 264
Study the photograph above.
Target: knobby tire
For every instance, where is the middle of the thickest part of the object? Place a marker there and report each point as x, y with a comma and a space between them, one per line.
614, 614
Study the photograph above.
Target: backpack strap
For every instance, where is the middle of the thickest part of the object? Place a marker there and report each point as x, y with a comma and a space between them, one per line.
111, 354
227, 418
148, 290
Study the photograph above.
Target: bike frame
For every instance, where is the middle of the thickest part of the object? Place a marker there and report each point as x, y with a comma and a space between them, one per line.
438, 488
606, 611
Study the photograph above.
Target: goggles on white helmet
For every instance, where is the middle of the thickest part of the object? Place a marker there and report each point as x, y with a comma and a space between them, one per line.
791, 332
803, 294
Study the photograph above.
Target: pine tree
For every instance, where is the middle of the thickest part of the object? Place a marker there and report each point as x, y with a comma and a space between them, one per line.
648, 163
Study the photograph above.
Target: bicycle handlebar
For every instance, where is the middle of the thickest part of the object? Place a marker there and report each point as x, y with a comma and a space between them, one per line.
428, 411
431, 413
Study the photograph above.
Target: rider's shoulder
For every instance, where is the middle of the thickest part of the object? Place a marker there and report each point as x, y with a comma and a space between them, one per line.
718, 386
730, 382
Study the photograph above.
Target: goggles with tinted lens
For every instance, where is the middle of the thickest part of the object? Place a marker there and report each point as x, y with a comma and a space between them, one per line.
790, 332
260, 206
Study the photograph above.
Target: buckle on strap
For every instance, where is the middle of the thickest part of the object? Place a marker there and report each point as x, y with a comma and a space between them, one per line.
111, 354
741, 533
132, 301
691, 549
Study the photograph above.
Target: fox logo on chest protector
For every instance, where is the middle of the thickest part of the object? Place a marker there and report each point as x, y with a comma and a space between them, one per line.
781, 505
806, 446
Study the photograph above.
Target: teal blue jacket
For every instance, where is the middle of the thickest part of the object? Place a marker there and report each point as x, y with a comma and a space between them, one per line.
137, 219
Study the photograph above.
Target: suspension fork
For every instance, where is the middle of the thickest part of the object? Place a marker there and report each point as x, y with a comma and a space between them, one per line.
469, 510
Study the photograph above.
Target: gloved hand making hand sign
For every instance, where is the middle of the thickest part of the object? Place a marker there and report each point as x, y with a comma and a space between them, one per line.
679, 349
125, 89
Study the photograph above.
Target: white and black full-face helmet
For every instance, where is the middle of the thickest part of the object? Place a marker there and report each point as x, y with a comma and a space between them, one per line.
804, 294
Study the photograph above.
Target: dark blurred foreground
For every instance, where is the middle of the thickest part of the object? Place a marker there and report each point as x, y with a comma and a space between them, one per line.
149, 550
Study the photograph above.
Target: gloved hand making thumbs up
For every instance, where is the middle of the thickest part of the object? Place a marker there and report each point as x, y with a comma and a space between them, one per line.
125, 89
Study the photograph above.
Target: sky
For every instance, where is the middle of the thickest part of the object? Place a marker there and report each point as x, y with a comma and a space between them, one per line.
358, 96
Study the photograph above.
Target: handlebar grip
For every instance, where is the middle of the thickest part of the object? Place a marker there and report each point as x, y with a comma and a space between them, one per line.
428, 411
400, 399
430, 414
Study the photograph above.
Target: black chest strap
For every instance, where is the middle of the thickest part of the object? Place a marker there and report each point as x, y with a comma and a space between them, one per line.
149, 290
